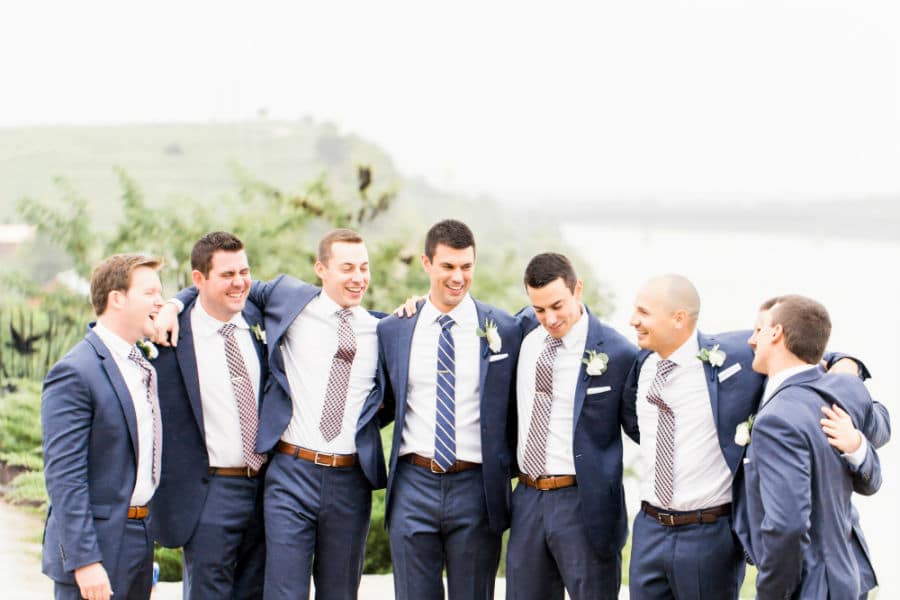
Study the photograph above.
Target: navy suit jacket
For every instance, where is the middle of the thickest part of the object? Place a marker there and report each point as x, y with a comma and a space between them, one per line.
90, 460
597, 435
497, 382
796, 525
281, 300
732, 400
179, 500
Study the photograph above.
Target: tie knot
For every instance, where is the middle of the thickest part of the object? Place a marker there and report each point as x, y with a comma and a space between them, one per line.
446, 321
136, 355
552, 342
664, 367
227, 329
344, 314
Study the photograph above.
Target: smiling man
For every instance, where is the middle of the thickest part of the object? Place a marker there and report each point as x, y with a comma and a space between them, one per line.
102, 442
210, 497
568, 511
449, 370
320, 420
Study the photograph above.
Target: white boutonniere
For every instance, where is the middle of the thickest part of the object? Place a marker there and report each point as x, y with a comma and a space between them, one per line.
742, 432
149, 350
490, 333
596, 362
714, 356
259, 332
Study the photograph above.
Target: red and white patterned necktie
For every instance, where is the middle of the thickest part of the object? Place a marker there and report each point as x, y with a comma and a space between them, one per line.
536, 442
663, 480
137, 356
339, 378
243, 396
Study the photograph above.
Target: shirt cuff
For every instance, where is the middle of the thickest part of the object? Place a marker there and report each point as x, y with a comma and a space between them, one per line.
854, 459
178, 304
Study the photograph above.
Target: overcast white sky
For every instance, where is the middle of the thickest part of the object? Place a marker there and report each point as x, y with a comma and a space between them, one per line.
696, 98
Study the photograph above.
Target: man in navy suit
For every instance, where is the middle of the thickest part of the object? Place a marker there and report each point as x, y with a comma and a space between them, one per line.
798, 514
321, 419
568, 511
210, 498
690, 391
449, 369
102, 442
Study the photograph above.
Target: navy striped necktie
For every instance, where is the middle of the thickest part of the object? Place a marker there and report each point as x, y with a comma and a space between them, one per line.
445, 418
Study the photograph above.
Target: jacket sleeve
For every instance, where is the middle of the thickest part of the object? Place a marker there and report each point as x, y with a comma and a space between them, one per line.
629, 404
66, 416
867, 476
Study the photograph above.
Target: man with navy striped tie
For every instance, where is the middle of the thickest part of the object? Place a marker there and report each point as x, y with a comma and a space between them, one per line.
449, 370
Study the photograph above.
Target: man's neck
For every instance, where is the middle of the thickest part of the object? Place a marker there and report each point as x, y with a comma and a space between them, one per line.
116, 327
782, 363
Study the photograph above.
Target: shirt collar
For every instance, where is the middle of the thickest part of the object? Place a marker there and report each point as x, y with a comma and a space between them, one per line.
325, 306
463, 314
112, 340
578, 334
780, 377
207, 325
685, 352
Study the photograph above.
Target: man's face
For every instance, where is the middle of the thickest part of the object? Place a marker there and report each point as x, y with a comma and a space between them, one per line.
761, 341
556, 306
450, 271
141, 303
224, 291
346, 276
654, 322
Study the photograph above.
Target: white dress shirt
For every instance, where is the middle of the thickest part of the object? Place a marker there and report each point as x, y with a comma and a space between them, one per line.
421, 398
143, 411
309, 346
701, 477
856, 457
559, 457
221, 417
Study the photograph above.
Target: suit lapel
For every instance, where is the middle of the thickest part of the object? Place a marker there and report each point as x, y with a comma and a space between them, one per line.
483, 313
119, 387
712, 376
593, 342
400, 365
187, 362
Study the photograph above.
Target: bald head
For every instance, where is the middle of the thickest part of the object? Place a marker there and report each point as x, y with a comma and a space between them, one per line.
676, 292
665, 313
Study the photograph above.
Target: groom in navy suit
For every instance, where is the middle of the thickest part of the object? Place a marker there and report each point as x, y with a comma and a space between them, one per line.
568, 511
102, 442
449, 369
798, 521
210, 497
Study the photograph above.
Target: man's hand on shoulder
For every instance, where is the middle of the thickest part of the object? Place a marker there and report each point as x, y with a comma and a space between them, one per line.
838, 426
408, 308
93, 582
166, 325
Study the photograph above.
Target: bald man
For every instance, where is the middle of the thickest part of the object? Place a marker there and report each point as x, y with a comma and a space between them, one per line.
690, 391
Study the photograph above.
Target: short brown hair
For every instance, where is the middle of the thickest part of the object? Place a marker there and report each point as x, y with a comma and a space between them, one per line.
805, 322
336, 235
114, 275
449, 232
546, 268
209, 244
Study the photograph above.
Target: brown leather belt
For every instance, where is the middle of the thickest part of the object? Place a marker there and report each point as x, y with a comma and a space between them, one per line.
320, 458
234, 472
428, 463
138, 512
689, 517
548, 482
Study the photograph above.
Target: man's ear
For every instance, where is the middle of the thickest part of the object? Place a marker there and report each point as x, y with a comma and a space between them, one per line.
197, 277
320, 269
680, 317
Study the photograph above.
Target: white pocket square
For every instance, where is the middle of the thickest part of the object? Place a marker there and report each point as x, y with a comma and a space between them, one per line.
598, 390
496, 357
723, 375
